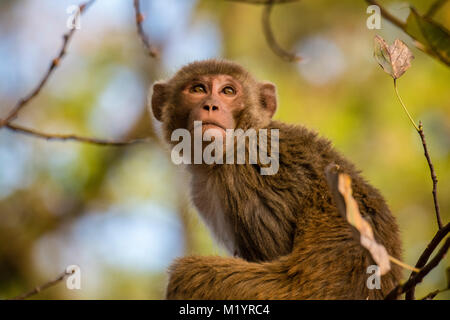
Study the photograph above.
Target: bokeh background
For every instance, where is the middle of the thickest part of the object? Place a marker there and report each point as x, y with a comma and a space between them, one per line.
122, 213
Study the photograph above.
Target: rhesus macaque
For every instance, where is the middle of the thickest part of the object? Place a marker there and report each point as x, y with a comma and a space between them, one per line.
285, 233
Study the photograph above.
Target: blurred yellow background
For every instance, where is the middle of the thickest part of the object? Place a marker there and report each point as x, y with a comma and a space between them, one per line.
120, 213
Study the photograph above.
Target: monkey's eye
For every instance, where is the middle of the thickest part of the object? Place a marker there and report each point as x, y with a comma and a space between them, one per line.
228, 90
198, 88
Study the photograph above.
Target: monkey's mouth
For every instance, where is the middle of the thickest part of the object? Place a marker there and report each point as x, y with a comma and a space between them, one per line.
210, 125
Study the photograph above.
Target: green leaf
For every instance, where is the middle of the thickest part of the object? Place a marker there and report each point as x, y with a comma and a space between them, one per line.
430, 34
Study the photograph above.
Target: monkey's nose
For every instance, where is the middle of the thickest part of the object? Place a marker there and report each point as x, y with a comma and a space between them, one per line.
210, 108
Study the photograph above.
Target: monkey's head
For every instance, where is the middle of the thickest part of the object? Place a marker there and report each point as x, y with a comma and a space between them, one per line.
221, 94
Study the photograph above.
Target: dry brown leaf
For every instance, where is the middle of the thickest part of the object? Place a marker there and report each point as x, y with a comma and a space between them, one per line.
394, 59
367, 239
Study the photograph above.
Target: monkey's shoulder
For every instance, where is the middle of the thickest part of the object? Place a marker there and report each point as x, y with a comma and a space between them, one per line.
300, 137
303, 147
305, 154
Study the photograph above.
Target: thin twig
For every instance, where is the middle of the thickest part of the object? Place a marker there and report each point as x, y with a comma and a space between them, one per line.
71, 137
427, 253
270, 38
152, 52
42, 287
268, 33
433, 175
419, 130
433, 294
53, 65
412, 282
435, 8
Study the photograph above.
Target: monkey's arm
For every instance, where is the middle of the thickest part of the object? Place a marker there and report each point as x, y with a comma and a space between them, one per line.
218, 278
326, 263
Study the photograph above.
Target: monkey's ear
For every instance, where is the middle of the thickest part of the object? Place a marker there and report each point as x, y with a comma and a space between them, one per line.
159, 97
269, 97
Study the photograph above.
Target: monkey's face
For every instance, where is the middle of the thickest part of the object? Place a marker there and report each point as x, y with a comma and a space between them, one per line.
214, 100
220, 94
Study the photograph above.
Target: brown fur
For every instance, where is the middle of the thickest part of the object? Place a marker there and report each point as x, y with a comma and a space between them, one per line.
289, 240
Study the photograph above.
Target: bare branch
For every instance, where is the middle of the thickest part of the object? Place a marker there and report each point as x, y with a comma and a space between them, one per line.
23, 102
270, 38
440, 235
433, 175
433, 294
427, 253
42, 287
71, 137
412, 282
419, 130
152, 52
54, 63
268, 33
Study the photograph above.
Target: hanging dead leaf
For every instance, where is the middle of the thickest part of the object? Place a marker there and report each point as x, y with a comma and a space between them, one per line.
367, 239
394, 59
341, 191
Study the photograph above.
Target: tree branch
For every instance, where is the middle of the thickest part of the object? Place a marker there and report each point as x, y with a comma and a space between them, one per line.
440, 235
71, 137
267, 29
270, 38
433, 294
152, 52
40, 288
53, 65
433, 175
419, 130
427, 253
412, 282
